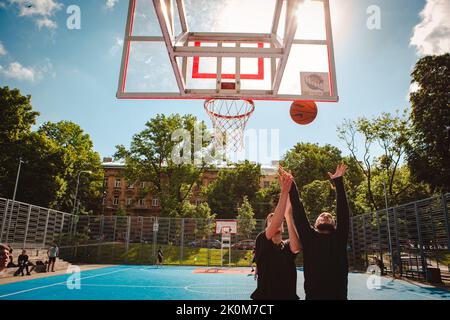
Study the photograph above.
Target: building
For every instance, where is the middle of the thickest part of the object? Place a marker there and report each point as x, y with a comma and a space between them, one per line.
134, 198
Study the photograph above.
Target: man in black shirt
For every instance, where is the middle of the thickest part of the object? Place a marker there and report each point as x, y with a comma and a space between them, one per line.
325, 245
275, 258
24, 263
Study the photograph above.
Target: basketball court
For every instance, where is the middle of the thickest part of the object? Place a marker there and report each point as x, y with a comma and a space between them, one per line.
186, 283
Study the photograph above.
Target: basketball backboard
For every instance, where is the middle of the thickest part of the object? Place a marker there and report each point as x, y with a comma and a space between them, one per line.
228, 49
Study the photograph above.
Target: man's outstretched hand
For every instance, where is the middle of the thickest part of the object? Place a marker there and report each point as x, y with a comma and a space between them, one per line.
340, 171
285, 179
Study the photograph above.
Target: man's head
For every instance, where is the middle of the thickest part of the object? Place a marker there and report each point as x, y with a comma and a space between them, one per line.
4, 253
24, 252
325, 223
269, 221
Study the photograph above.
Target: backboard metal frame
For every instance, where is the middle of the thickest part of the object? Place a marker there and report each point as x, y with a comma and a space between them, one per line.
276, 49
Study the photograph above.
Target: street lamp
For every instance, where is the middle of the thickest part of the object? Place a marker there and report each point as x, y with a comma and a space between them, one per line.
76, 190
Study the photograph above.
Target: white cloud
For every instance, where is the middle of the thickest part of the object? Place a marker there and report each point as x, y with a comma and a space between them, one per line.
42, 9
2, 49
110, 4
47, 23
118, 44
18, 72
432, 35
2, 5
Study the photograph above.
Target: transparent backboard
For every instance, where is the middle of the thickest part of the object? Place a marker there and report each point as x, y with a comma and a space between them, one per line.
246, 49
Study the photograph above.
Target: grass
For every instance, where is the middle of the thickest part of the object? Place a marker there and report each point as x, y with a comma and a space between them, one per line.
143, 254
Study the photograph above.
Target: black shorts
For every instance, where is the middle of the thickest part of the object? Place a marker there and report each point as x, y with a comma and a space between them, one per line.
51, 259
160, 259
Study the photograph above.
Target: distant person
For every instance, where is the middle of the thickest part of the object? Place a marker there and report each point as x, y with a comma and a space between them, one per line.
24, 264
4, 256
11, 263
275, 259
325, 245
160, 259
52, 253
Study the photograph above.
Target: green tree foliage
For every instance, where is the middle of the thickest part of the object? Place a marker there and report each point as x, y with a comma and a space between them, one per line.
76, 148
429, 153
149, 159
266, 200
309, 162
225, 194
41, 157
246, 222
202, 218
390, 133
318, 196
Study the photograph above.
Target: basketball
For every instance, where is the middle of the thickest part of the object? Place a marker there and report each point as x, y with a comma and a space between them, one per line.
303, 112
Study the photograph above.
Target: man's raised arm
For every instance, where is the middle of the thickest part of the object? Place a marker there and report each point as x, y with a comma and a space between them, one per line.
302, 225
342, 210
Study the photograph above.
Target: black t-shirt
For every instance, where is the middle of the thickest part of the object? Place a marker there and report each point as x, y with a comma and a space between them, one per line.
324, 255
22, 259
277, 273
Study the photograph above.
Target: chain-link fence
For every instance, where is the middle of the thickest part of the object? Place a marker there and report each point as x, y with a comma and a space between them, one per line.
409, 240
29, 226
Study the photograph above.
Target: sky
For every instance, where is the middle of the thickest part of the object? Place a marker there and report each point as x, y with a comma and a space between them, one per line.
72, 74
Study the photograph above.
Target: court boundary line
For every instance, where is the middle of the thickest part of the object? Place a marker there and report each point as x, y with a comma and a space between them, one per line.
59, 283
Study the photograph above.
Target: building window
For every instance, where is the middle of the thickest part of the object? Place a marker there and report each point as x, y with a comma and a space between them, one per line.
142, 185
266, 184
104, 201
155, 202
117, 183
116, 201
142, 203
105, 182
130, 185
129, 201
198, 202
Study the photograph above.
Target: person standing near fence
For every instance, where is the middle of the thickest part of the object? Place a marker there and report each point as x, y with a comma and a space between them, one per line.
52, 253
160, 258
325, 244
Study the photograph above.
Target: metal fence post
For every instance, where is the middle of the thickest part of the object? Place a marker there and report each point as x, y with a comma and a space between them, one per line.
127, 240
208, 258
4, 219
447, 225
419, 232
365, 240
10, 218
397, 243
182, 241
45, 229
380, 245
26, 227
353, 240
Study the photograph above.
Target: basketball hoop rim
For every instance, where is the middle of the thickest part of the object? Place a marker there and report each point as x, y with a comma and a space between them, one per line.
221, 116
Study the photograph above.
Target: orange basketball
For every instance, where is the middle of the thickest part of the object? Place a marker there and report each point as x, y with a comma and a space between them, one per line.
303, 112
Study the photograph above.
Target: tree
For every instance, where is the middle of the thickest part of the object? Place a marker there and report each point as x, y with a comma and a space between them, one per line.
391, 133
318, 196
246, 222
429, 153
266, 200
78, 155
203, 218
149, 159
41, 158
309, 162
225, 194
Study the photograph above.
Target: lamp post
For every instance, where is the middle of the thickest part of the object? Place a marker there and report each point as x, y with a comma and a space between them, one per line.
388, 227
76, 190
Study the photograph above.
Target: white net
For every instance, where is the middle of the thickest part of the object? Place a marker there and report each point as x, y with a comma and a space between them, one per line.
229, 118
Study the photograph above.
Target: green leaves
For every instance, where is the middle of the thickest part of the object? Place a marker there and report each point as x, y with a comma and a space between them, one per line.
246, 218
429, 153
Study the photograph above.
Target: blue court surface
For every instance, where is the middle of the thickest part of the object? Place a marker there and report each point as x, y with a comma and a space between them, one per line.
181, 283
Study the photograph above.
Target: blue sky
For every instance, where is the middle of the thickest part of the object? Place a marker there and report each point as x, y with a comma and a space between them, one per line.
72, 74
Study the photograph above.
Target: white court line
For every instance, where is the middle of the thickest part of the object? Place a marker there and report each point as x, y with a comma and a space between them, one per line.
59, 283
